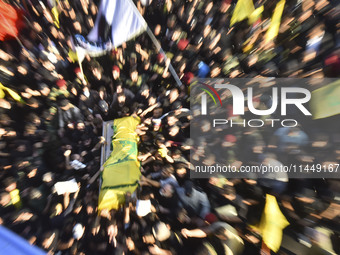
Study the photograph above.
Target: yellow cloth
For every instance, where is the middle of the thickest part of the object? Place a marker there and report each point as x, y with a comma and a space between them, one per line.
275, 22
15, 198
73, 56
255, 15
243, 9
55, 15
12, 93
325, 101
163, 152
122, 169
272, 223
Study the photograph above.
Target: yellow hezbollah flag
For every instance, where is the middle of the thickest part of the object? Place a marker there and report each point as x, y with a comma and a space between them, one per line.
275, 22
12, 93
243, 9
55, 13
15, 198
122, 169
325, 102
272, 223
255, 15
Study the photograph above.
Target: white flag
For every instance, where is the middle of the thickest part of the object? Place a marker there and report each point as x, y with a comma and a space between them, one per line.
117, 22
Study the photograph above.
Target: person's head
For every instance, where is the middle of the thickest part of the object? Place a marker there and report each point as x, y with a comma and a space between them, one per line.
161, 231
145, 91
174, 130
171, 119
10, 184
181, 170
209, 5
91, 209
119, 87
54, 31
320, 140
30, 129
167, 190
48, 238
97, 70
77, 26
215, 71
206, 31
5, 199
77, 207
144, 193
115, 72
167, 171
25, 92
160, 58
188, 188
229, 192
182, 216
65, 104
44, 89
33, 103
157, 112
205, 126
23, 69
80, 126
61, 84
229, 141
157, 30
157, 165
176, 34
171, 22
221, 233
48, 178
134, 74
146, 65
159, 139
121, 98
31, 171
152, 99
173, 95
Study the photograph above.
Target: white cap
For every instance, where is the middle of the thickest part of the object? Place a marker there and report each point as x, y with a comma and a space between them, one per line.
78, 231
143, 207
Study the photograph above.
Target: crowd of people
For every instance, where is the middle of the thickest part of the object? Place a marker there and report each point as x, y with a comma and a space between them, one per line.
52, 111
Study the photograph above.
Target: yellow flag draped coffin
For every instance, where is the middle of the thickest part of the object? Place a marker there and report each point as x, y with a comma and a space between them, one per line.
122, 169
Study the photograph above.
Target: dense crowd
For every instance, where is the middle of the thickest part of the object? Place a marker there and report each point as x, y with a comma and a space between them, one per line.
52, 132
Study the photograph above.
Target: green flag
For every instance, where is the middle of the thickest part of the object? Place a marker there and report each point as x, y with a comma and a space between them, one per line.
325, 101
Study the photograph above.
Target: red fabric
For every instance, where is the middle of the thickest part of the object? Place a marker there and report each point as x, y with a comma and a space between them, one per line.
182, 44
230, 138
10, 21
187, 77
61, 83
116, 68
211, 218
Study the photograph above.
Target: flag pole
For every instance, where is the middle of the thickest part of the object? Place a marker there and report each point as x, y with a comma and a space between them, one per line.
157, 44
159, 48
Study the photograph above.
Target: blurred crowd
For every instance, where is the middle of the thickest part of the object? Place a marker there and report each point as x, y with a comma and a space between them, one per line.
51, 130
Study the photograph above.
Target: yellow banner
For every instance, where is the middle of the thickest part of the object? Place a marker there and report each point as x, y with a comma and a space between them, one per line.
10, 92
272, 223
122, 169
325, 102
243, 9
275, 22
